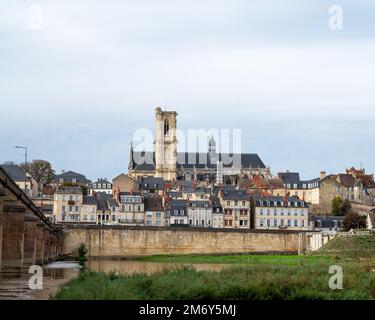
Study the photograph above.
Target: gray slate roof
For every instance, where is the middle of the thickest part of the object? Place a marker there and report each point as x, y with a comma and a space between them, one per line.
145, 160
14, 172
69, 176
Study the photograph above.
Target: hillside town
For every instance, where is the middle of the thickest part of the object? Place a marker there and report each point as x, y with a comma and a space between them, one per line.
165, 188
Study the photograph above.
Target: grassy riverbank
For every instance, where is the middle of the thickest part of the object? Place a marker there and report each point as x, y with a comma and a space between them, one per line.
251, 277
253, 283
240, 259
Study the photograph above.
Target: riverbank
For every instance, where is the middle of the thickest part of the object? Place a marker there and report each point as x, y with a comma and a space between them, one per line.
260, 282
250, 277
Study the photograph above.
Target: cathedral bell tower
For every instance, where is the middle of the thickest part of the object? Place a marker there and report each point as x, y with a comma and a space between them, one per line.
165, 144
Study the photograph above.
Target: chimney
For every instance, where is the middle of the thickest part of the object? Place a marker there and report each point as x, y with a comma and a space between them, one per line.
322, 175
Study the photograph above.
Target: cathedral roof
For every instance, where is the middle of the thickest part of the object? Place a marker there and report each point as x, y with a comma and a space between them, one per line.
145, 161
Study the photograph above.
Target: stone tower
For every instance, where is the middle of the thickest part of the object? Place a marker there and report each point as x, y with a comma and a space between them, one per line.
165, 144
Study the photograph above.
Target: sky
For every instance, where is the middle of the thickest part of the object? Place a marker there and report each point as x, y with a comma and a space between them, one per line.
79, 78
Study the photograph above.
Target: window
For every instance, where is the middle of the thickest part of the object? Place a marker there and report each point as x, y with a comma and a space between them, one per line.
175, 212
302, 223
61, 180
63, 197
74, 180
99, 185
139, 208
228, 203
113, 218
261, 211
268, 222
296, 223
275, 222
196, 222
268, 212
92, 209
70, 208
77, 198
243, 203
63, 208
202, 222
181, 221
94, 185
182, 212
158, 214
85, 217
289, 223
282, 222
92, 218
77, 209
236, 203
70, 198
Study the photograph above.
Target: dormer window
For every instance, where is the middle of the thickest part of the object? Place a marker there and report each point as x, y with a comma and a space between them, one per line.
74, 180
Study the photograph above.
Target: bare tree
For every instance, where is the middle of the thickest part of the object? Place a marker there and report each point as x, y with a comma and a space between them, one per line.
41, 171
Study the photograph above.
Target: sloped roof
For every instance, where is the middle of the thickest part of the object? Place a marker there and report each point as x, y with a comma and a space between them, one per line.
14, 172
154, 203
145, 160
70, 175
346, 180
90, 200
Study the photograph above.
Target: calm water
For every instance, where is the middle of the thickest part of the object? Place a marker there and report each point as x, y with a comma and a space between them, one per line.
57, 273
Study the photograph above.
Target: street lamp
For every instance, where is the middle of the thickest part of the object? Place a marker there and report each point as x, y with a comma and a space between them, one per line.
24, 148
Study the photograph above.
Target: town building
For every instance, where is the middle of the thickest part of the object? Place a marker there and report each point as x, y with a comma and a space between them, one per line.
165, 162
71, 206
272, 212
154, 211
101, 185
326, 223
199, 213
22, 179
131, 208
107, 210
217, 213
151, 184
71, 177
123, 183
306, 190
176, 213
236, 208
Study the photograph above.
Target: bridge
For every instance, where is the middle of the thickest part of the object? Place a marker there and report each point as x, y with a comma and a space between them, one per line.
26, 236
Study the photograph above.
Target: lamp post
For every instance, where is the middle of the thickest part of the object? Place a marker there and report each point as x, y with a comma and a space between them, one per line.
24, 148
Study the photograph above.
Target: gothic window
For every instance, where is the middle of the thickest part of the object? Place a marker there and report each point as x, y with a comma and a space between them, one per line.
166, 126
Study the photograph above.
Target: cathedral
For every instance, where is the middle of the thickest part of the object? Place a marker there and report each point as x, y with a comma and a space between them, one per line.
165, 162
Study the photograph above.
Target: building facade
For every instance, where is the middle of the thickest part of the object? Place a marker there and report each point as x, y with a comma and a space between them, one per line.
200, 214
131, 208
236, 208
272, 212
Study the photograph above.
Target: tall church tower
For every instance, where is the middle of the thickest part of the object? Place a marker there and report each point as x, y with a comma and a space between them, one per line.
165, 144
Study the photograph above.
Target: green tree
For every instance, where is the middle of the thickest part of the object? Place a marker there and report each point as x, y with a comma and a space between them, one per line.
336, 205
353, 220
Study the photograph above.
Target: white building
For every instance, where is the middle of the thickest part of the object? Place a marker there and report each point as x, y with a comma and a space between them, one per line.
280, 213
199, 214
101, 185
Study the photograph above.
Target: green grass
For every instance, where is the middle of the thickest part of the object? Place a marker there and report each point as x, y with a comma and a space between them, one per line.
242, 259
350, 246
263, 282
251, 277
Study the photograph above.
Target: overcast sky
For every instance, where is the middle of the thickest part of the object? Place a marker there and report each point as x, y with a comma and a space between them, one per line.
76, 85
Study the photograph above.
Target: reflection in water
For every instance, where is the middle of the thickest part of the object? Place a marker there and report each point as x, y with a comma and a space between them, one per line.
133, 266
57, 273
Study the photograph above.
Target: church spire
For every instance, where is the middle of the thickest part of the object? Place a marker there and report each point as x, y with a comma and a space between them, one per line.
131, 157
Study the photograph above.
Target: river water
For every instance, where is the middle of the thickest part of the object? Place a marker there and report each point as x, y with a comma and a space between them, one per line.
55, 274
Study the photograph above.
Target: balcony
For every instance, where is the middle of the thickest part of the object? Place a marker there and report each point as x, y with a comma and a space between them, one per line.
71, 202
